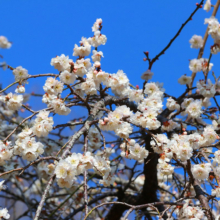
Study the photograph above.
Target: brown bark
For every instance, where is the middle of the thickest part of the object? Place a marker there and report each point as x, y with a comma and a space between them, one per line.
149, 192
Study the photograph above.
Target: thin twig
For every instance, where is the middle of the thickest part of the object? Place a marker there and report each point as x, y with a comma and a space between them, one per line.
176, 35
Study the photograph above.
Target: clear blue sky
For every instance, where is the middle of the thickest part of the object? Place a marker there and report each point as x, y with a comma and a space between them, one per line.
41, 30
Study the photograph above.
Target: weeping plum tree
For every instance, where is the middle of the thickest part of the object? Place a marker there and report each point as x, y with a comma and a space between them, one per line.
132, 139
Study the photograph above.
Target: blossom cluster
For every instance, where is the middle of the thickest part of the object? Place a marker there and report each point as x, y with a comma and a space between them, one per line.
188, 211
12, 101
214, 31
181, 147
67, 169
4, 213
26, 146
5, 152
197, 65
133, 150
43, 124
4, 43
114, 122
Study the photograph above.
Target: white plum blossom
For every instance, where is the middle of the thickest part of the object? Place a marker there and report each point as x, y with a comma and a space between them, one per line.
102, 76
159, 143
4, 43
101, 165
147, 75
4, 214
83, 50
97, 64
186, 102
216, 192
172, 104
82, 66
89, 87
13, 101
164, 168
207, 90
169, 125
62, 168
98, 39
209, 135
190, 212
153, 102
97, 24
108, 178
124, 129
133, 150
195, 65
123, 110
5, 152
196, 41
59, 107
20, 73
206, 66
184, 151
119, 82
97, 55
27, 147
207, 5
65, 174
135, 95
185, 80
87, 160
53, 86
43, 124
20, 89
67, 77
194, 109
108, 152
113, 121
47, 98
74, 160
216, 159
138, 153
151, 88
216, 47
147, 120
61, 63
213, 27
201, 171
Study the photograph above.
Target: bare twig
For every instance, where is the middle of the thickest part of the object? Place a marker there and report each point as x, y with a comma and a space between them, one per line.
176, 35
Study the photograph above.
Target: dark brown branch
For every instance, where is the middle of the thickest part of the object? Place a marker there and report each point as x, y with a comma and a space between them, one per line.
177, 34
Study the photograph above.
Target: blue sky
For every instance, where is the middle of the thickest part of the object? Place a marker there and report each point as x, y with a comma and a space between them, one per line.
41, 30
